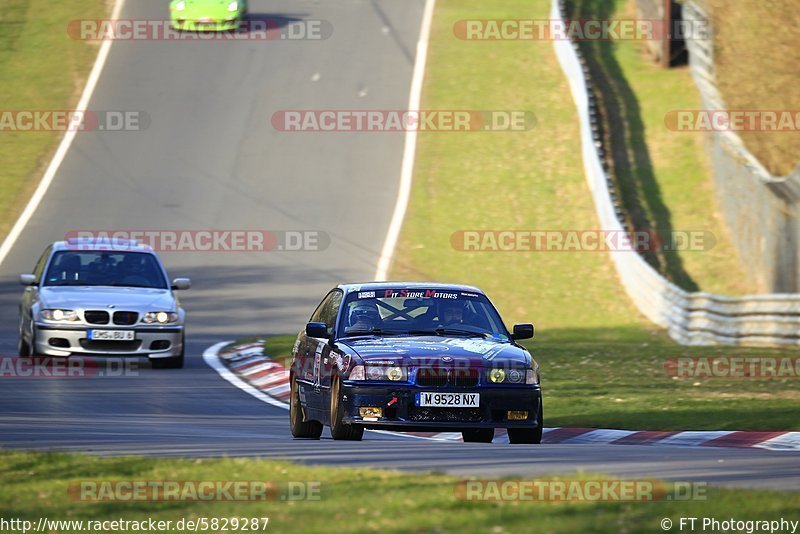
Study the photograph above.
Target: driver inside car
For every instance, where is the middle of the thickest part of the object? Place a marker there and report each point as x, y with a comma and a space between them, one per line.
451, 313
364, 317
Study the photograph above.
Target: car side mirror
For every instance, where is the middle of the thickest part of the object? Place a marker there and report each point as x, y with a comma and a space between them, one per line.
318, 330
523, 331
27, 279
181, 283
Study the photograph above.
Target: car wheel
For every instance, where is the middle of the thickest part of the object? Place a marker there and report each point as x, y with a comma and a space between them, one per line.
300, 428
175, 362
340, 430
527, 435
478, 435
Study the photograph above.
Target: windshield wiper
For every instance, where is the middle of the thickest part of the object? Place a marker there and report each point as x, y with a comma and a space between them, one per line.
460, 332
447, 331
361, 333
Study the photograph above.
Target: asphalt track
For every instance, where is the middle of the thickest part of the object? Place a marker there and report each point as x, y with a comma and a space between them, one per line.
210, 159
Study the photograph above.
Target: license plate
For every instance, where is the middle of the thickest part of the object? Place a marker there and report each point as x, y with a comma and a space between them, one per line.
111, 335
448, 400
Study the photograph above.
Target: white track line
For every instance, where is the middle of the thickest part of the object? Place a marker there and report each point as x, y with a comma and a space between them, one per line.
63, 147
211, 357
409, 152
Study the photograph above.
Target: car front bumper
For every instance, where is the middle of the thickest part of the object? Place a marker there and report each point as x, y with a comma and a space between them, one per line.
148, 341
232, 21
401, 413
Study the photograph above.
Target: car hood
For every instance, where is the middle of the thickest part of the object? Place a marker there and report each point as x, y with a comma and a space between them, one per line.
134, 298
437, 350
196, 9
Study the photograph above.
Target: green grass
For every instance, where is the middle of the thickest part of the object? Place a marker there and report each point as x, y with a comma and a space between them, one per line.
351, 500
757, 64
595, 348
41, 68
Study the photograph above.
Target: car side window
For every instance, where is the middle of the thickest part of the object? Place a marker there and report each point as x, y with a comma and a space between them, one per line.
39, 269
316, 317
331, 310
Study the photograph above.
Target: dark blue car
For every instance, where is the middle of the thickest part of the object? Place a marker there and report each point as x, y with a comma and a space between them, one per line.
413, 357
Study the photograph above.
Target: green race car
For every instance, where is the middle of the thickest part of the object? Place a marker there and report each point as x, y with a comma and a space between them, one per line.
207, 15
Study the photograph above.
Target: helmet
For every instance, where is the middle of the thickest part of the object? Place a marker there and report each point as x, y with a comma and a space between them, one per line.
365, 314
451, 311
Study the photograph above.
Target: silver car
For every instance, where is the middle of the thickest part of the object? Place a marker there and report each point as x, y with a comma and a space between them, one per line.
101, 297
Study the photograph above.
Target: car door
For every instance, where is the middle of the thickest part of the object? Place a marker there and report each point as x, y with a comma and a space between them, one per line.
327, 352
30, 295
312, 350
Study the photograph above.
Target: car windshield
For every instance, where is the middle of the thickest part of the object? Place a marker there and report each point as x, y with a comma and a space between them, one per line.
441, 312
98, 268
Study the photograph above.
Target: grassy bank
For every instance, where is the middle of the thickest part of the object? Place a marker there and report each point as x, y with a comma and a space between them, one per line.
350, 500
41, 68
758, 68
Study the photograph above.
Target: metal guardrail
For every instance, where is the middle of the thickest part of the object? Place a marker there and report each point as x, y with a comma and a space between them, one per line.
690, 318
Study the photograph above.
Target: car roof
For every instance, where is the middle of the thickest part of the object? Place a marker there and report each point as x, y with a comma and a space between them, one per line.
367, 286
90, 244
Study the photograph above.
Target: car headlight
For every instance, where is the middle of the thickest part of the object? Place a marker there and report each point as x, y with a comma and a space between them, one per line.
357, 373
497, 376
160, 317
233, 6
513, 376
378, 372
516, 376
180, 6
59, 315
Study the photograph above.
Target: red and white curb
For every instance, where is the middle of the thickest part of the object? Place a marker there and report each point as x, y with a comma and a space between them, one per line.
246, 367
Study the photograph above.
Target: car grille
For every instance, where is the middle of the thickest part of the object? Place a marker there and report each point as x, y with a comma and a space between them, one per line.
432, 377
465, 378
125, 317
470, 415
111, 346
96, 316
435, 377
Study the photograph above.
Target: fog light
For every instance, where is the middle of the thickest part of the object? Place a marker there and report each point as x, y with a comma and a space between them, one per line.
516, 416
370, 412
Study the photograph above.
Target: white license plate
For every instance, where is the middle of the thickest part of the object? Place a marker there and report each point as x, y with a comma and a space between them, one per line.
448, 400
111, 335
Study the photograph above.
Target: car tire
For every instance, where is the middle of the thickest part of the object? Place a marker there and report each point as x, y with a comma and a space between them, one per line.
478, 435
340, 430
300, 428
174, 362
23, 348
530, 436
